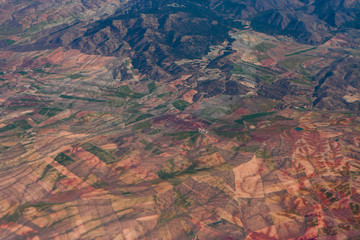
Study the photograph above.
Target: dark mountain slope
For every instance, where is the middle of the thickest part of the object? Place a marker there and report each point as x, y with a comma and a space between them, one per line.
338, 86
155, 37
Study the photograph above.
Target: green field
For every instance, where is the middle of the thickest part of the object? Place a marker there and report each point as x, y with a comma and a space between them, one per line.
152, 87
22, 124
252, 117
125, 91
50, 112
264, 47
100, 153
82, 98
180, 105
141, 125
64, 159
135, 119
298, 52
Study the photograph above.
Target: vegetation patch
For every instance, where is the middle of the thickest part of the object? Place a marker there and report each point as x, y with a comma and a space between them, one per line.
3, 148
125, 91
354, 208
64, 159
144, 116
275, 118
264, 47
22, 73
294, 62
31, 100
152, 87
40, 205
180, 105
298, 52
22, 124
159, 107
141, 125
164, 95
100, 184
76, 76
266, 78
267, 157
100, 153
115, 102
171, 174
252, 117
39, 70
154, 132
139, 118
239, 69
47, 169
181, 200
10, 41
166, 175
82, 98
183, 135
5, 85
49, 112
261, 49
245, 149
12, 217
133, 107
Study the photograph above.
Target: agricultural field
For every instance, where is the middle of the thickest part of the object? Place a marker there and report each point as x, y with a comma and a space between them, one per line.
254, 137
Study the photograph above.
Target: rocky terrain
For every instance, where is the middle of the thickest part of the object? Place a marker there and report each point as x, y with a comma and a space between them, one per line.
179, 120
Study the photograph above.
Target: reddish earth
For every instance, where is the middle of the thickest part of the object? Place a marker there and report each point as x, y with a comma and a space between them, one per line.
91, 147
